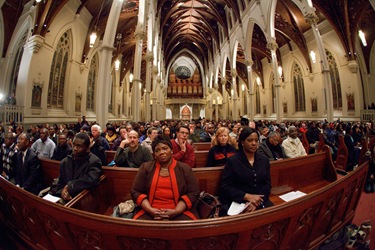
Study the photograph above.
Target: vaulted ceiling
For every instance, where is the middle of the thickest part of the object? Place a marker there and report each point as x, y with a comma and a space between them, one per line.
193, 25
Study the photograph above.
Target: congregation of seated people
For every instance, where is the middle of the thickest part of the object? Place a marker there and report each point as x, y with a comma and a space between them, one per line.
133, 146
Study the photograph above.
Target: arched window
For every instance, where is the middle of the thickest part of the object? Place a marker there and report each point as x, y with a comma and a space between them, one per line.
16, 66
299, 89
335, 81
58, 72
91, 80
272, 85
257, 99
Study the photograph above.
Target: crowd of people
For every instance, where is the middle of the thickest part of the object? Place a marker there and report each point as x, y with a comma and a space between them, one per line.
165, 187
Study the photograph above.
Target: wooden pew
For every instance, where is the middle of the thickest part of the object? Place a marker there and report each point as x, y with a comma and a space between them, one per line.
303, 223
110, 155
201, 158
50, 169
342, 155
316, 170
202, 146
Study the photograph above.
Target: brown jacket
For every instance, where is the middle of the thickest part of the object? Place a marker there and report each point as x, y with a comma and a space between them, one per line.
184, 184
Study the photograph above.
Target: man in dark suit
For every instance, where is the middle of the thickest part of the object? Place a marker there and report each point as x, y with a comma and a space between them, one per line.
29, 174
80, 170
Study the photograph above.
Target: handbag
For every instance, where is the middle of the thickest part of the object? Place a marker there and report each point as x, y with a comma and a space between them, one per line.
208, 206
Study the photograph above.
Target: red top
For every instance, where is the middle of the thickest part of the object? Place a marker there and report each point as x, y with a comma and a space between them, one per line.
163, 194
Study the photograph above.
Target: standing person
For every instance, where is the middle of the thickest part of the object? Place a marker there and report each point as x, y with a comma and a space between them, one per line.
165, 189
292, 144
63, 149
222, 148
130, 153
29, 173
183, 151
80, 170
44, 146
8, 158
246, 176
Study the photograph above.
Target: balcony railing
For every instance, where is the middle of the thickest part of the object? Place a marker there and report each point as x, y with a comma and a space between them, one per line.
368, 115
11, 113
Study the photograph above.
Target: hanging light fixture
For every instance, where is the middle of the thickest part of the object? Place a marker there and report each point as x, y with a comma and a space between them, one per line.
363, 38
280, 70
131, 76
118, 41
93, 35
258, 81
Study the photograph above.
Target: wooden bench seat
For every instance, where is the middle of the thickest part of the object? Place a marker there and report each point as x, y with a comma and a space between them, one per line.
303, 223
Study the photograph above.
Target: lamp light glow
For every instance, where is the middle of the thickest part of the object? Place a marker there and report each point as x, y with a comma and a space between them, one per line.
363, 38
313, 56
117, 64
93, 37
280, 70
258, 81
131, 77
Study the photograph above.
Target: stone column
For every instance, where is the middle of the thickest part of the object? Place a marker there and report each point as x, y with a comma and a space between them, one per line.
140, 34
225, 98
149, 59
154, 92
250, 106
313, 19
235, 94
104, 76
272, 46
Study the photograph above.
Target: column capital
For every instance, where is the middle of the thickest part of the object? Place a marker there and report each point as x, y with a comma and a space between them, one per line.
311, 18
149, 57
223, 80
233, 73
272, 46
35, 43
249, 63
140, 32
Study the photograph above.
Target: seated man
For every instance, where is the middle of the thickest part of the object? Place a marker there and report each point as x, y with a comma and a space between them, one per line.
130, 154
271, 147
44, 146
80, 170
99, 140
183, 151
62, 149
8, 158
292, 144
29, 173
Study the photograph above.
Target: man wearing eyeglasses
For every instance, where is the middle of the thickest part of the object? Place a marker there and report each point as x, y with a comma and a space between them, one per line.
182, 150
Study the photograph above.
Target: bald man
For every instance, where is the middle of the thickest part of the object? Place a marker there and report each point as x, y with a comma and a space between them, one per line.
130, 153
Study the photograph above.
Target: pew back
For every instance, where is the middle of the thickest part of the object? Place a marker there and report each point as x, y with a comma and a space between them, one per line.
304, 223
202, 146
50, 169
342, 155
201, 158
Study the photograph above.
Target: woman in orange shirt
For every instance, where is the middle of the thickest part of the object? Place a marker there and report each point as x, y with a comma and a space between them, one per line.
165, 189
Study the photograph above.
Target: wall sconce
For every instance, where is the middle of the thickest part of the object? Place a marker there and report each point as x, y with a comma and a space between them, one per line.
313, 56
243, 87
93, 37
259, 83
117, 64
280, 70
363, 38
131, 77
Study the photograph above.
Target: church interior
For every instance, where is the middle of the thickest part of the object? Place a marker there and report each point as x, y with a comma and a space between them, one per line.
138, 60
